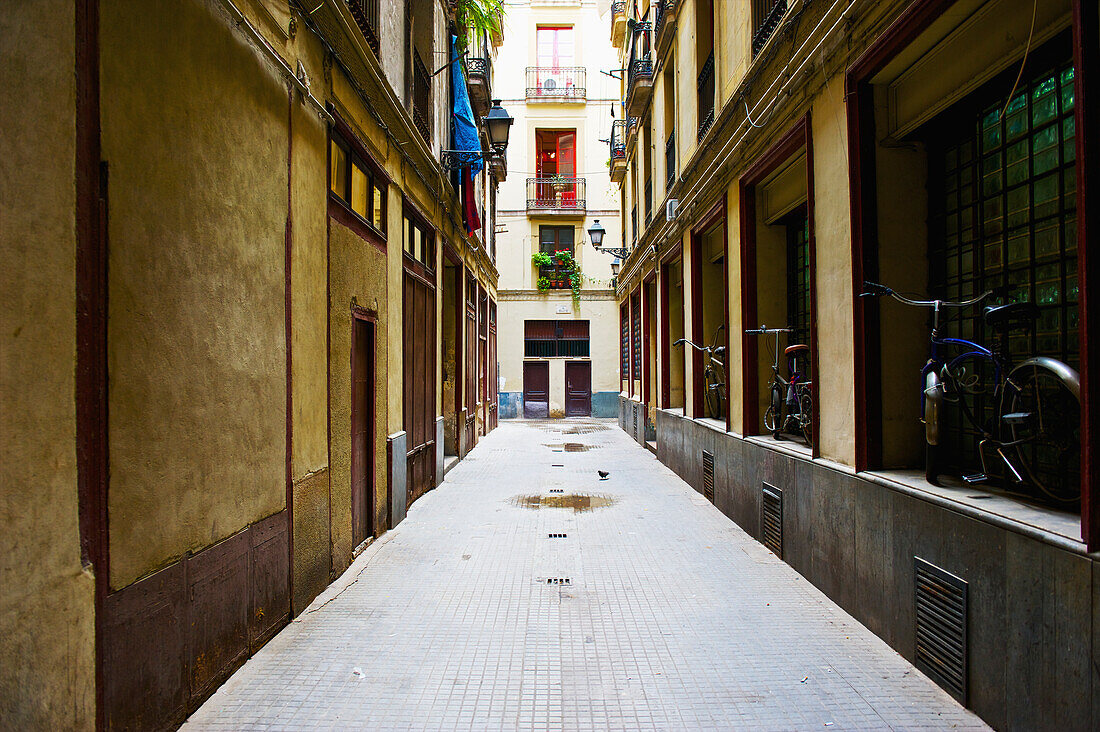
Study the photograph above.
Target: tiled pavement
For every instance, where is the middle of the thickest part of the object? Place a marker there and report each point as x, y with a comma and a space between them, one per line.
673, 617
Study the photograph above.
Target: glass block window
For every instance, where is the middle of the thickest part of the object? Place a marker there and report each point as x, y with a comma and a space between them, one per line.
1004, 219
798, 277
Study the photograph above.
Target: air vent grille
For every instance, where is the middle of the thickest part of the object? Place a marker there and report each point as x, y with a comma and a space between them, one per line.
708, 476
940, 600
771, 522
634, 409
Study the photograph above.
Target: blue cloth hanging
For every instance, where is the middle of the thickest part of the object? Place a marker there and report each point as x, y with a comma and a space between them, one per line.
466, 137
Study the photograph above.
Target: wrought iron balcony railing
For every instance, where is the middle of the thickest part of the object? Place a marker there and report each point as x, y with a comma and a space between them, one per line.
366, 13
706, 96
556, 195
766, 15
557, 276
618, 139
641, 69
670, 160
556, 84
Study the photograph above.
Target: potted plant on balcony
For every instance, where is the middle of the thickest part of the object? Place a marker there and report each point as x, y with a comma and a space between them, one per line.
559, 183
543, 284
541, 259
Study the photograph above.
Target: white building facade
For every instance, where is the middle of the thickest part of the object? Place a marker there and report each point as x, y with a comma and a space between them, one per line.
558, 322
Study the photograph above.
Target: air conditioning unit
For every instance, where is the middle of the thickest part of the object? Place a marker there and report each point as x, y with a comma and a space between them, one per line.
670, 209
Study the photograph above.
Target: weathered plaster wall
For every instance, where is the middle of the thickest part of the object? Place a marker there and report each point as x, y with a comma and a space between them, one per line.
46, 600
833, 297
357, 275
198, 163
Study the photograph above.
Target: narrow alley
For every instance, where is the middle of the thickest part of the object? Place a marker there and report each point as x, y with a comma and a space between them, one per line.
524, 592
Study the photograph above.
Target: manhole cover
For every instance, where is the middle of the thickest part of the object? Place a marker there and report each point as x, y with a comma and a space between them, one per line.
579, 502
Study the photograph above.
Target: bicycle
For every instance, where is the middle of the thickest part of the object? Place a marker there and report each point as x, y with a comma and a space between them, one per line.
791, 405
1036, 428
714, 373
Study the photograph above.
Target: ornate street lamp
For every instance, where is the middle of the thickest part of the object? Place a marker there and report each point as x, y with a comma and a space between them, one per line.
499, 123
595, 235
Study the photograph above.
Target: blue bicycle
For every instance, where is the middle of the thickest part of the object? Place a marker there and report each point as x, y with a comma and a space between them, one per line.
1035, 432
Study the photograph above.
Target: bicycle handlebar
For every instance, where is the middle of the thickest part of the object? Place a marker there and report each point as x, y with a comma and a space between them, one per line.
685, 340
873, 289
765, 330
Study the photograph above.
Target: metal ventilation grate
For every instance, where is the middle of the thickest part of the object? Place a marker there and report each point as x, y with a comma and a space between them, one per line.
556, 536
771, 522
634, 409
940, 599
558, 581
708, 476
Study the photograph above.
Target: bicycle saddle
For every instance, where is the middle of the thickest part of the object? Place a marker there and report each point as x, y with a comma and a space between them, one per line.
796, 350
1012, 315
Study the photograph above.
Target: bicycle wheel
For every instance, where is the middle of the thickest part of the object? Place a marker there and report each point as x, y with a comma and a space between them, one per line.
933, 452
805, 417
773, 416
1044, 415
712, 395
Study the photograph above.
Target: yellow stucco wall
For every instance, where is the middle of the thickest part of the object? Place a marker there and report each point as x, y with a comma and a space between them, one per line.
198, 159
734, 356
46, 600
834, 388
357, 274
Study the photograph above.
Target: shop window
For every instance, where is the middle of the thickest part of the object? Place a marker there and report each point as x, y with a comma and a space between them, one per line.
1003, 218
798, 276
356, 184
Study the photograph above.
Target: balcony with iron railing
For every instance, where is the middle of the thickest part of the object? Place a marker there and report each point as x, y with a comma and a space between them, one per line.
366, 13
479, 72
639, 70
618, 150
648, 201
664, 25
556, 196
706, 96
550, 84
557, 276
670, 161
766, 15
618, 22
422, 99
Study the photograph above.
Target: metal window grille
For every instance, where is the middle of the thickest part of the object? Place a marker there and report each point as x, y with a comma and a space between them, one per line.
552, 338
798, 277
766, 15
636, 335
648, 201
624, 343
422, 96
634, 223
1004, 217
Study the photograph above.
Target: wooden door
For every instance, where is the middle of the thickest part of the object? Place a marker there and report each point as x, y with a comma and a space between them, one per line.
578, 388
536, 389
471, 362
362, 430
419, 367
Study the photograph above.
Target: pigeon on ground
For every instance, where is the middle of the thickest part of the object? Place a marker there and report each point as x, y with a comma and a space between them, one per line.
603, 474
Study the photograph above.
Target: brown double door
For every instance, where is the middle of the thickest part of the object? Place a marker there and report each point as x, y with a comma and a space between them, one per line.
536, 389
578, 388
419, 366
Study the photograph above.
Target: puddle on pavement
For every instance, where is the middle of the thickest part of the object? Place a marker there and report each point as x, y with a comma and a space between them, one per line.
586, 429
579, 502
569, 446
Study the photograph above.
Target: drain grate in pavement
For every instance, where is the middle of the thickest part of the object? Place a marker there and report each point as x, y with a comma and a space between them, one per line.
558, 581
556, 490
557, 465
556, 536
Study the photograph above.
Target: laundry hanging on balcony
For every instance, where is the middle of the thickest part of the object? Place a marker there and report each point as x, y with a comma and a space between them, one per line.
465, 128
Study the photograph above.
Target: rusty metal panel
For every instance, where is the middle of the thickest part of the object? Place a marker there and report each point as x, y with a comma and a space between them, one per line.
218, 595
145, 665
269, 557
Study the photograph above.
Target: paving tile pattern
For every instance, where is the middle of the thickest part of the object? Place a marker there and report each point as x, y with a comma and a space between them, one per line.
673, 617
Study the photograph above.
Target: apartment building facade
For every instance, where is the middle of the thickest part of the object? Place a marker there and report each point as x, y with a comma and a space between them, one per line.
773, 157
557, 308
249, 307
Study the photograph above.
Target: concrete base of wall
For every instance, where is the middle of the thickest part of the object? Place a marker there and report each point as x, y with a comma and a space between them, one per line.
438, 450
511, 404
1034, 595
396, 449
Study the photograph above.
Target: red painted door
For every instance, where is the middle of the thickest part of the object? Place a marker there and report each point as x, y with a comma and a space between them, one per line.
578, 388
536, 389
556, 152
